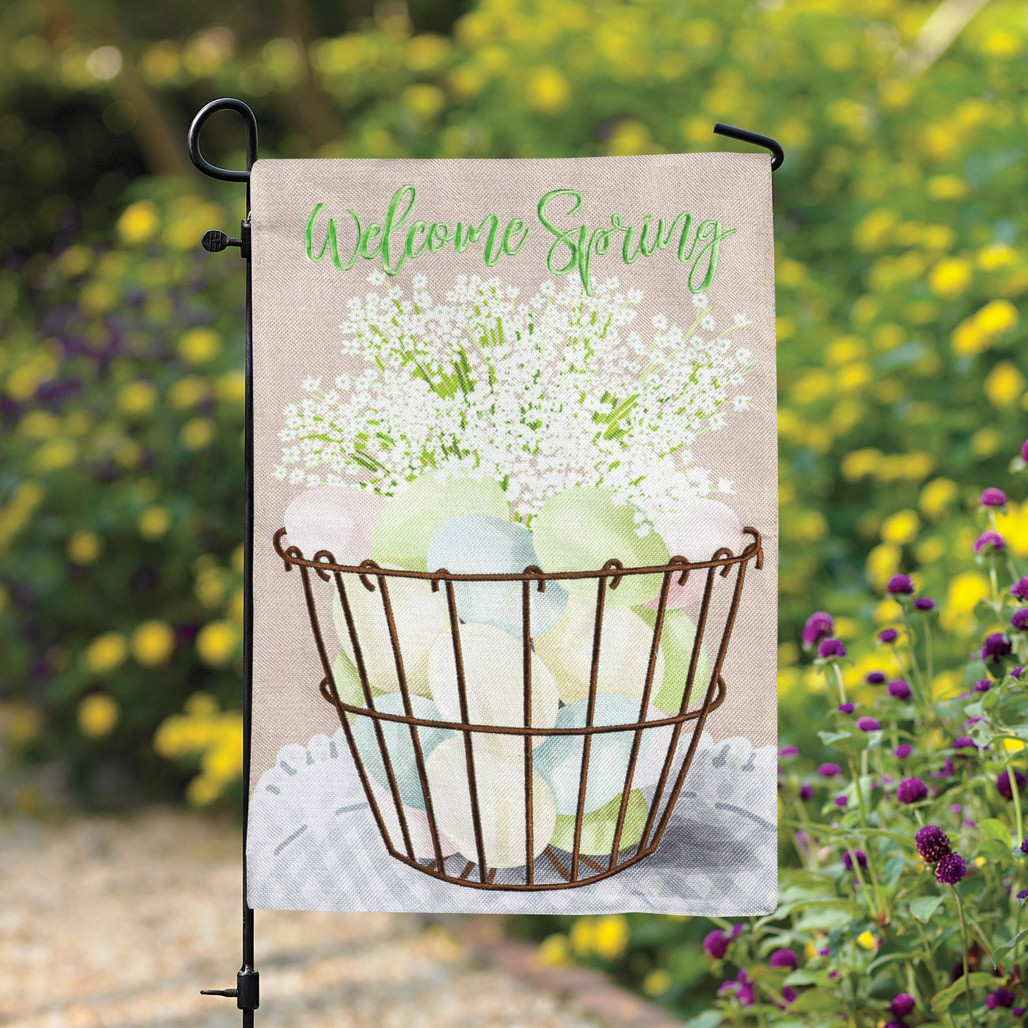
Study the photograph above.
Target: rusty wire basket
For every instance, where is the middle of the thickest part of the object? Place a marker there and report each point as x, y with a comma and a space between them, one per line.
552, 867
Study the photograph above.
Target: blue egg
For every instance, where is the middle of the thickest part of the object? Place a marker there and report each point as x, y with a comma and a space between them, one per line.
399, 745
475, 544
559, 759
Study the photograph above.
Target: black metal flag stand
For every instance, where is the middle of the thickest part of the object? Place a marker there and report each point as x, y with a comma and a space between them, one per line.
246, 992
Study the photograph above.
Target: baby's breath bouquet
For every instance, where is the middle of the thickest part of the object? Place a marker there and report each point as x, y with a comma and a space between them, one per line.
539, 396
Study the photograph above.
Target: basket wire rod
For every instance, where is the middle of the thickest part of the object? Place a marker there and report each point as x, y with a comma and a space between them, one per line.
469, 756
665, 771
526, 665
419, 755
644, 705
715, 674
590, 717
362, 673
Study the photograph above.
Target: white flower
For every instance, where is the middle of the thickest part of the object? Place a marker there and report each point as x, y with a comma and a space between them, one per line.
700, 301
707, 323
740, 320
376, 278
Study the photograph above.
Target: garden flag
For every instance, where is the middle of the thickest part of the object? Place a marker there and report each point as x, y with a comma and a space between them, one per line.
515, 535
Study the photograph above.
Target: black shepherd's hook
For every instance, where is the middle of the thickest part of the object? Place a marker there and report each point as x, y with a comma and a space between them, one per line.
746, 136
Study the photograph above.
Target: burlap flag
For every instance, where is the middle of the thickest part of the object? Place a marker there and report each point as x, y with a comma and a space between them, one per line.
515, 535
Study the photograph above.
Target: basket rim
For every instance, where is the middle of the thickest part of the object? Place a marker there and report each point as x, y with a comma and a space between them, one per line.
324, 564
326, 688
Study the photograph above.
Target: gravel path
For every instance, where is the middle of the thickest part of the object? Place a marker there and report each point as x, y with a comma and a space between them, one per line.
120, 921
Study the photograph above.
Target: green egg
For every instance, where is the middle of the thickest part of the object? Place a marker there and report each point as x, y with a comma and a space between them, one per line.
676, 643
582, 528
408, 521
598, 827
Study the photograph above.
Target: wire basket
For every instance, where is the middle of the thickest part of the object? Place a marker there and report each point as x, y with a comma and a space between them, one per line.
552, 866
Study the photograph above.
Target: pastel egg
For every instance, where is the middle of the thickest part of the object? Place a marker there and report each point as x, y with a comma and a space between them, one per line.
696, 530
500, 780
600, 826
399, 745
625, 641
419, 616
418, 828
336, 518
493, 680
474, 544
412, 516
677, 639
582, 528
559, 759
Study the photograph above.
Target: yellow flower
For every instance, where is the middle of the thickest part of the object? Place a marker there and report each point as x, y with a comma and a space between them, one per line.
105, 652
553, 950
55, 455
873, 231
38, 424
137, 398
946, 187
224, 763
809, 526
548, 90
153, 642
610, 936
217, 642
199, 345
582, 936
629, 137
947, 684
1004, 385
860, 463
83, 547
426, 51
197, 433
995, 255
968, 339
882, 563
154, 522
999, 42
950, 277
203, 791
985, 442
97, 715
424, 100
997, 316
901, 527
231, 386
138, 222
867, 940
1013, 526
187, 392
656, 982
201, 704
965, 591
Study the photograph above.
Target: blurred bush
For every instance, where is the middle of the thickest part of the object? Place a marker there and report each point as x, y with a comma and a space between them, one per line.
901, 271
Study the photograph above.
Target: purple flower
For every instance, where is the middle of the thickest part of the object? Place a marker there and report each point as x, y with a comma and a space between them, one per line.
896, 1024
875, 677
1019, 590
1019, 620
924, 603
932, 845
1023, 894
900, 689
741, 986
868, 724
783, 958
1024, 450
993, 497
716, 943
1004, 787
900, 585
806, 792
789, 751
910, 790
1000, 998
950, 869
829, 648
902, 1004
982, 685
841, 801
829, 770
903, 751
1017, 671
1024, 847
819, 625
995, 648
789, 994
989, 541
964, 742
945, 771
846, 708
888, 635
850, 855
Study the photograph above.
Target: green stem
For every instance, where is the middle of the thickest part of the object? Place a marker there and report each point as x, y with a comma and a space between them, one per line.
1016, 795
963, 956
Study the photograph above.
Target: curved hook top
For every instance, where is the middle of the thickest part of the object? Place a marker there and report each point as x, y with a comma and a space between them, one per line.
756, 138
249, 122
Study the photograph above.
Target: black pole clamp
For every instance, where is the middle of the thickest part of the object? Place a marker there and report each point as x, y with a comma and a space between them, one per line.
247, 992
